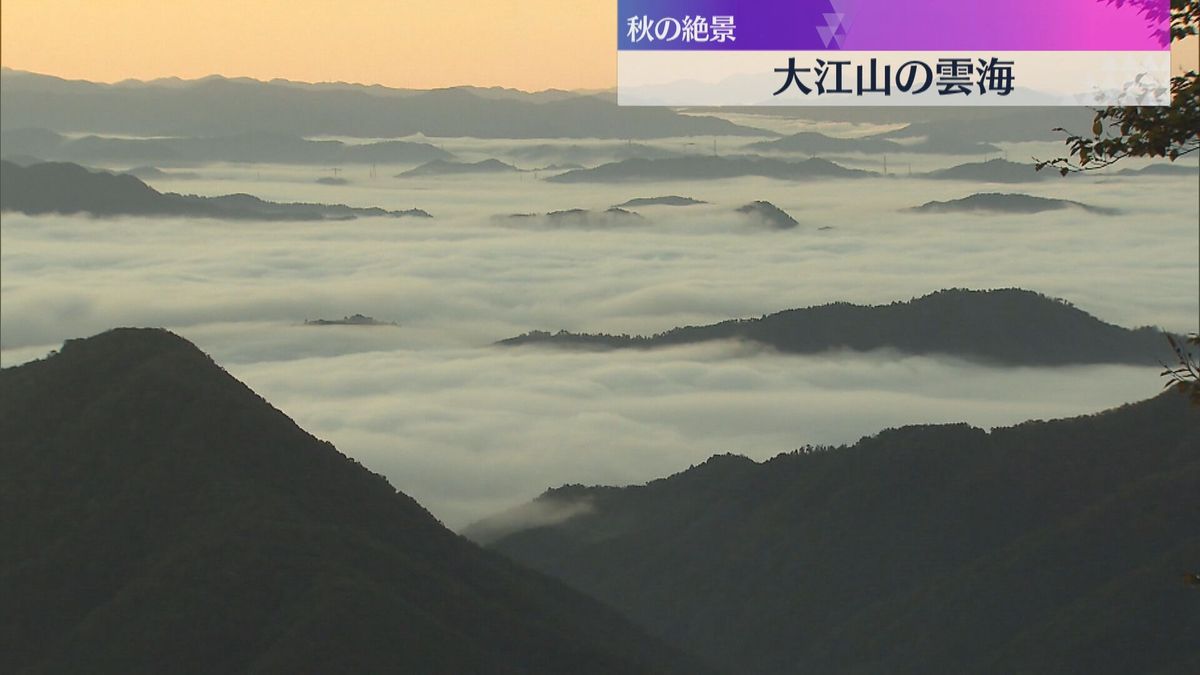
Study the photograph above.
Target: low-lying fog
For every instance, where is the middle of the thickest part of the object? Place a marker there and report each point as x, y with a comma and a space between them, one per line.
469, 429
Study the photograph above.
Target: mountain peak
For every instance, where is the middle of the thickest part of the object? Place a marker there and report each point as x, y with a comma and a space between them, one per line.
159, 511
134, 342
1011, 326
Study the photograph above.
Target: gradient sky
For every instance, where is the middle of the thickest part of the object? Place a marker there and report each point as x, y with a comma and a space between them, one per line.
527, 44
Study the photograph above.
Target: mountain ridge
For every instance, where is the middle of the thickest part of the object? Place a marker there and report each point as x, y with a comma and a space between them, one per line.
67, 188
1011, 202
224, 106
161, 516
1011, 326
1048, 546
704, 167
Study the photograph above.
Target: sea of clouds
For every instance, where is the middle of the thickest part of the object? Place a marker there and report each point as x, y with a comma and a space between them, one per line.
468, 428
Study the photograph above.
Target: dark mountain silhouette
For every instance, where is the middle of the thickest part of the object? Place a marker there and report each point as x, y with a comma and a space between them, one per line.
1047, 547
351, 320
578, 218
997, 202
337, 181
248, 147
1009, 326
440, 167
706, 168
158, 516
813, 143
768, 215
669, 200
991, 171
222, 106
384, 152
70, 188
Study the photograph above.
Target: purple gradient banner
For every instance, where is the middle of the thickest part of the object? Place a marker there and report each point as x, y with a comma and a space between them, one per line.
893, 25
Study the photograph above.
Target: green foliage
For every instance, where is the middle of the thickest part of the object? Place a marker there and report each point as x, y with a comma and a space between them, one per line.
1138, 131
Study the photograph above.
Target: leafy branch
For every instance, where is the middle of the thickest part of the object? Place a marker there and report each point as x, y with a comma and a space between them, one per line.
1119, 132
1184, 377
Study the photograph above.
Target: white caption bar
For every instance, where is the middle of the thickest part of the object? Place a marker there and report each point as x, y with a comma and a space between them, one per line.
731, 78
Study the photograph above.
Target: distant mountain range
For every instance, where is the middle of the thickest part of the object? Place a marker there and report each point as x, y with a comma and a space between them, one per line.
70, 188
247, 147
669, 200
993, 171
351, 320
613, 216
221, 106
440, 167
1010, 326
159, 516
1181, 167
592, 153
704, 167
972, 123
814, 143
996, 202
768, 215
1064, 547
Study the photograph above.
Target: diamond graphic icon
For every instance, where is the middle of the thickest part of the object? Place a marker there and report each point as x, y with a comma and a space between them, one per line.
826, 34
836, 23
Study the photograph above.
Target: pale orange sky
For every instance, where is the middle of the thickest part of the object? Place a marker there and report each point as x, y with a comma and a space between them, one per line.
527, 44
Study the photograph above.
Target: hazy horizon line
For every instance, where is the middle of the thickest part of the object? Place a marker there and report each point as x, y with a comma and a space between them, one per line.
316, 83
